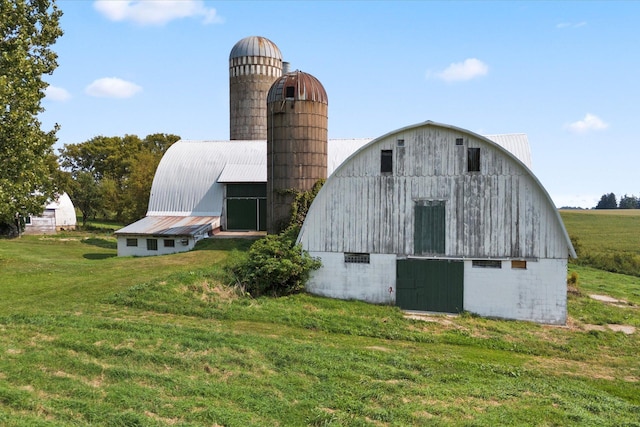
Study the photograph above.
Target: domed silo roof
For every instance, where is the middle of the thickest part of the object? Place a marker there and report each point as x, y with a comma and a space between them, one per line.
305, 88
255, 46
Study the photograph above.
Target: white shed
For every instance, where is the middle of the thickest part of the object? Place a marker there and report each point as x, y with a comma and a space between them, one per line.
433, 217
58, 215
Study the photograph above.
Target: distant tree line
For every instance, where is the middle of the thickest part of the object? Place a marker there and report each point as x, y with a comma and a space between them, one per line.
609, 201
110, 177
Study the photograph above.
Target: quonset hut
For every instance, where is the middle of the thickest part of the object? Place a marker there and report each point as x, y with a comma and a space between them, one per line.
432, 217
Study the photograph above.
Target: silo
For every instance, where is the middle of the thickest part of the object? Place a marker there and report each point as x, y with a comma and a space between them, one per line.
296, 142
254, 64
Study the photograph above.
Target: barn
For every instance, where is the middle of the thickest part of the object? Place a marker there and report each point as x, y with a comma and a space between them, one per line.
202, 187
433, 217
58, 215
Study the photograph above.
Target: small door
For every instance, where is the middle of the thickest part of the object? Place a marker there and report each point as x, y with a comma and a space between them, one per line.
429, 227
430, 285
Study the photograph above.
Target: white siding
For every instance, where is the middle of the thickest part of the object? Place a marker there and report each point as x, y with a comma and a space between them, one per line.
501, 211
373, 282
537, 293
141, 248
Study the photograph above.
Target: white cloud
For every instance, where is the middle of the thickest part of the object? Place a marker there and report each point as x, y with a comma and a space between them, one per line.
460, 71
590, 122
112, 87
55, 93
155, 12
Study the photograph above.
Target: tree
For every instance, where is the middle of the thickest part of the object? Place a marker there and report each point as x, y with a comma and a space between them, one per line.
607, 201
628, 202
28, 29
122, 168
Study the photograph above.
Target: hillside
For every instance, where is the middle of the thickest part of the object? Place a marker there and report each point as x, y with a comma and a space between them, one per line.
92, 339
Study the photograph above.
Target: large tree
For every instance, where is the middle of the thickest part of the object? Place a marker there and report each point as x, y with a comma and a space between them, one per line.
122, 170
28, 29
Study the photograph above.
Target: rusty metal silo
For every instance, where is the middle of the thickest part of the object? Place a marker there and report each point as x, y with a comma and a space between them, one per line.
297, 123
254, 64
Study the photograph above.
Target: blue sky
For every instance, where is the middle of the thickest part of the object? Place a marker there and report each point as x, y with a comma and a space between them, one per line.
565, 73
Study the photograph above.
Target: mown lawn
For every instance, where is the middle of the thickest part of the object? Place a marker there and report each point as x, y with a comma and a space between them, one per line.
91, 339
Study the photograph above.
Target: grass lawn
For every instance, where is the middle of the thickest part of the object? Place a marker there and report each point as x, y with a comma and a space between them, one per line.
91, 339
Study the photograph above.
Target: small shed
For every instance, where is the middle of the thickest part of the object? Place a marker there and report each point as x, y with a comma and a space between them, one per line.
58, 215
432, 217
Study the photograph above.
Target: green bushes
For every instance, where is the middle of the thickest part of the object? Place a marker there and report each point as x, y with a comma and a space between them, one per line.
275, 266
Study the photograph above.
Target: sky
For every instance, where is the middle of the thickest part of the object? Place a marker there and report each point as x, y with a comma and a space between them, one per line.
565, 73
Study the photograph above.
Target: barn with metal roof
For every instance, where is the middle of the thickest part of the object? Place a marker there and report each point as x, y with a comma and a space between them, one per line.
433, 217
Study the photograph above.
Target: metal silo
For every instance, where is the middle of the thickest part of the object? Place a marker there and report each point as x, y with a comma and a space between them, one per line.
296, 142
254, 64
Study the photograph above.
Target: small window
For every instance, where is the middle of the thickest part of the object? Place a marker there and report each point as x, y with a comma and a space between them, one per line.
185, 242
486, 263
132, 242
169, 243
356, 258
519, 264
386, 161
27, 219
400, 143
459, 141
473, 159
290, 92
152, 244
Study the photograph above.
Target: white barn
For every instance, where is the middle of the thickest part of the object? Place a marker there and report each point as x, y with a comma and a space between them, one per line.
58, 215
433, 217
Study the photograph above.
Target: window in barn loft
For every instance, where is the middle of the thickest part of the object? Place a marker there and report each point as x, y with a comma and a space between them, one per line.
152, 244
459, 141
473, 160
386, 161
290, 92
132, 242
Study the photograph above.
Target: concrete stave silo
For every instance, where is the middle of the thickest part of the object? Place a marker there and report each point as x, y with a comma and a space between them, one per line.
254, 64
297, 122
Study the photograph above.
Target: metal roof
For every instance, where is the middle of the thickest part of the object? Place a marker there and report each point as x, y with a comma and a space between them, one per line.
516, 143
243, 173
190, 178
171, 225
307, 88
255, 46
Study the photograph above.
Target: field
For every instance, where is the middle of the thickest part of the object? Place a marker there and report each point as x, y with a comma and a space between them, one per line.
606, 239
91, 339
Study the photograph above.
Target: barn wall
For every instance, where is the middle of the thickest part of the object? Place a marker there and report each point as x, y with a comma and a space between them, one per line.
373, 282
537, 293
45, 224
500, 211
141, 249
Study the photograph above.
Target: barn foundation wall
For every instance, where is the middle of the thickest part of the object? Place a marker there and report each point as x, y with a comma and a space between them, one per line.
537, 293
373, 282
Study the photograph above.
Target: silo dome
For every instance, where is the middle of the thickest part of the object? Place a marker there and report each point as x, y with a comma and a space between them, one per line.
298, 86
255, 46
297, 137
254, 64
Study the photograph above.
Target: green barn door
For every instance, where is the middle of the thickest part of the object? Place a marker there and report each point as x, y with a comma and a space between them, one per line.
430, 285
242, 214
429, 227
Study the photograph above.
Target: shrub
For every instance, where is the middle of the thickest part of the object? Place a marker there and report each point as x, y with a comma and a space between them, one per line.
274, 265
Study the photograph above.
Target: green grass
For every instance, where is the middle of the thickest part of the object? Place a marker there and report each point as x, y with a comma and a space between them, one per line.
606, 239
87, 339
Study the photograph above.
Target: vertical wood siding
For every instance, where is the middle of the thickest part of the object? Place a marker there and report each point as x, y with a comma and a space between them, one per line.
500, 211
